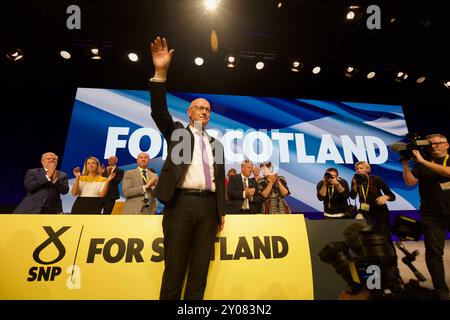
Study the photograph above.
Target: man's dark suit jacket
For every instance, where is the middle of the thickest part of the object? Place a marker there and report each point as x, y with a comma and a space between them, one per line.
171, 173
38, 190
235, 191
113, 189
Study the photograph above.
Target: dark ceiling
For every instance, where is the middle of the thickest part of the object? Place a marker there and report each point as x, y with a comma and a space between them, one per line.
37, 93
411, 39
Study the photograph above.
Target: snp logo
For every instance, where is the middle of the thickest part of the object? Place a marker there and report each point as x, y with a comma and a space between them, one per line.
47, 271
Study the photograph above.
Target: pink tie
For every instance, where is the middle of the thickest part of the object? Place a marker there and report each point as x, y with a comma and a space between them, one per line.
205, 161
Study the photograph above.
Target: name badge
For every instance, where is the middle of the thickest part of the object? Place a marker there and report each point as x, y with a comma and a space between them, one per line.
445, 185
365, 207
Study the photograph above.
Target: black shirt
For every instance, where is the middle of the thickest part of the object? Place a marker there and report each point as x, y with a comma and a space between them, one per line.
377, 187
333, 201
433, 200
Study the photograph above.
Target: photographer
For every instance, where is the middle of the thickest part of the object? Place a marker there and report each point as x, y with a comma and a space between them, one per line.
373, 194
433, 177
333, 191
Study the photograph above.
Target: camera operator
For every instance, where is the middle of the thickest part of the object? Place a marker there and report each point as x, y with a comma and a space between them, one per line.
433, 177
373, 194
333, 191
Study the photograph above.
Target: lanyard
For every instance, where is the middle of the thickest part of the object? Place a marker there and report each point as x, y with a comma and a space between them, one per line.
445, 161
330, 195
366, 192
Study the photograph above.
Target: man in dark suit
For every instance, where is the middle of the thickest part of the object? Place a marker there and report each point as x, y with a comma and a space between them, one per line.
44, 187
191, 186
113, 191
242, 192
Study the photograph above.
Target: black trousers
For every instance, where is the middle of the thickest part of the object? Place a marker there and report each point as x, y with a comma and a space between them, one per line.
190, 229
108, 205
434, 237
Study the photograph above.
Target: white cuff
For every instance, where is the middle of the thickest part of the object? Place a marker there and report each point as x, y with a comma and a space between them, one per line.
154, 79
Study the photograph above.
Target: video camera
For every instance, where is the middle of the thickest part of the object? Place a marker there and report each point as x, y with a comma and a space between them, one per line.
365, 247
416, 143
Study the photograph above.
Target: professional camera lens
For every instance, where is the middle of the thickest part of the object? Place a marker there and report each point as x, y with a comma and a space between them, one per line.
328, 175
360, 178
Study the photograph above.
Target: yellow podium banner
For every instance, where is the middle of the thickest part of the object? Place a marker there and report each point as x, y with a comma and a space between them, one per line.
114, 257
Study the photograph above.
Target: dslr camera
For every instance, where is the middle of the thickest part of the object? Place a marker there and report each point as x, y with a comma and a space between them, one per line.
360, 179
415, 143
328, 175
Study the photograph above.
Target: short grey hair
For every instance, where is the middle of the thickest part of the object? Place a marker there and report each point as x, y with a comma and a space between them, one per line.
434, 135
48, 153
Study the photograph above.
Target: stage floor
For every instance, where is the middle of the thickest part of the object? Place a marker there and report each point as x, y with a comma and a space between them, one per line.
420, 264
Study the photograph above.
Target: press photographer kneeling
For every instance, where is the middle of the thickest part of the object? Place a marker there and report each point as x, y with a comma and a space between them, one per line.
432, 174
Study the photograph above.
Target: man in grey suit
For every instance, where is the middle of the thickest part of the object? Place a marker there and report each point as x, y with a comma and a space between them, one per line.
137, 187
44, 186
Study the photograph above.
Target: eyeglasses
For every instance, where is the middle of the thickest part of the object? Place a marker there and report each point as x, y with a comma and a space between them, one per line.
437, 143
201, 108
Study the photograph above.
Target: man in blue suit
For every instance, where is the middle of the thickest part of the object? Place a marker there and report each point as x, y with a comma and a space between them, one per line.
243, 197
44, 187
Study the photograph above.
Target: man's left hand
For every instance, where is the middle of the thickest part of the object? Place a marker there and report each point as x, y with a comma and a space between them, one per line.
221, 224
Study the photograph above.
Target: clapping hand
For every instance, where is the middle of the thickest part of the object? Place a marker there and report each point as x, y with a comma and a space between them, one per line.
111, 176
249, 192
76, 172
51, 170
272, 178
151, 182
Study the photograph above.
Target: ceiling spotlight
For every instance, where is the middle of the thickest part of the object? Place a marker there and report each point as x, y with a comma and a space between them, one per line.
296, 66
95, 54
371, 75
65, 54
316, 70
199, 61
231, 59
350, 15
447, 84
393, 20
280, 4
259, 65
350, 71
133, 57
401, 76
420, 79
15, 55
211, 5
